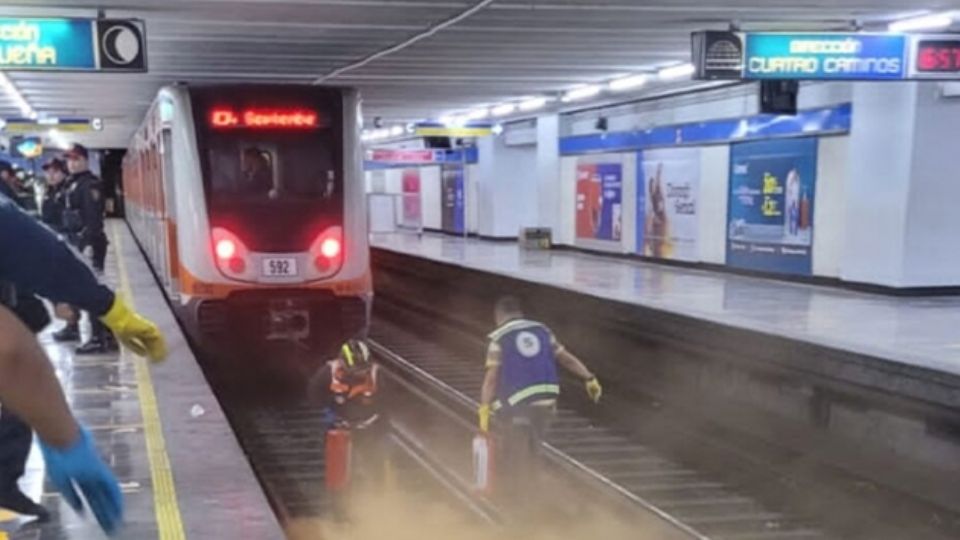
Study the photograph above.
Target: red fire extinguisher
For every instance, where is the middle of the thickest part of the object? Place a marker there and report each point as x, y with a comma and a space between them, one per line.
337, 459
483, 463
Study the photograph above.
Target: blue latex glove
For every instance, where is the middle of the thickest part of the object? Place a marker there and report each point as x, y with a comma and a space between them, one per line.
79, 466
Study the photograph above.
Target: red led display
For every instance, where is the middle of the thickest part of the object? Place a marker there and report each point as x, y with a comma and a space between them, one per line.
224, 118
938, 56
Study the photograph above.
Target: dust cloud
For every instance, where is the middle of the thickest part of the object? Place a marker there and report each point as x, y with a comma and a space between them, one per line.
397, 515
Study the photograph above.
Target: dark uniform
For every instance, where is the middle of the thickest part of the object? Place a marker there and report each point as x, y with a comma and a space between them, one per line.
35, 261
54, 200
83, 215
16, 436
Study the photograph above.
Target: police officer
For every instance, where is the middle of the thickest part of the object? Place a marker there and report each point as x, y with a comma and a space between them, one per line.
34, 260
9, 185
51, 213
54, 199
522, 385
83, 223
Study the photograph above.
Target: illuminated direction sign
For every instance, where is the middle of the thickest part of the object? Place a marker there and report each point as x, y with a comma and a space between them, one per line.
72, 44
825, 56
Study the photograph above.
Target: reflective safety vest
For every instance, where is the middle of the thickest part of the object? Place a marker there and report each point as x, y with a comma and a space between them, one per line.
528, 367
347, 391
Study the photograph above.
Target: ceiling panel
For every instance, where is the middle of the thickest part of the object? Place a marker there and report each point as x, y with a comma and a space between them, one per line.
509, 49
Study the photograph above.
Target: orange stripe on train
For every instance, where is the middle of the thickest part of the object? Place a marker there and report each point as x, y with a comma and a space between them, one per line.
190, 284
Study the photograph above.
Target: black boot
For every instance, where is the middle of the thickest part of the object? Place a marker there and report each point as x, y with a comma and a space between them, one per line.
70, 332
96, 345
13, 499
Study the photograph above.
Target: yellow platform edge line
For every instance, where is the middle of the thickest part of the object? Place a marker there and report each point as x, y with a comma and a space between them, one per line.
165, 503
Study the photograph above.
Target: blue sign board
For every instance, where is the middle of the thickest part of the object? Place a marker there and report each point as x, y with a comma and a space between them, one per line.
71, 44
452, 216
841, 56
770, 217
829, 120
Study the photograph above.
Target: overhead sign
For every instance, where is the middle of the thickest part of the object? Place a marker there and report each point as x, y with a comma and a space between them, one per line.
936, 56
73, 125
440, 130
72, 44
825, 56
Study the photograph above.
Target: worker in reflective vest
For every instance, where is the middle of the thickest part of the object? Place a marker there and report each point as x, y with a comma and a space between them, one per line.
349, 388
522, 385
348, 385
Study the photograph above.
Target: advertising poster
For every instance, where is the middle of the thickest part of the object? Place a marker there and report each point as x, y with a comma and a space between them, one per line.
599, 201
667, 203
410, 184
772, 192
452, 199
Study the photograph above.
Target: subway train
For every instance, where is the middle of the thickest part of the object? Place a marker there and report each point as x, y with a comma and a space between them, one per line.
248, 203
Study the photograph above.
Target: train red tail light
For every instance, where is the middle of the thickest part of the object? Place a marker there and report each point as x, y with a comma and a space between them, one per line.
230, 253
327, 250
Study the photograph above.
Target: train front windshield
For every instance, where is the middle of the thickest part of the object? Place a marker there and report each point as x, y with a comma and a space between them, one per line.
272, 165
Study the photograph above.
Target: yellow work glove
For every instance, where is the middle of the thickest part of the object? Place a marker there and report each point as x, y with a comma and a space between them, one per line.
594, 390
484, 413
140, 335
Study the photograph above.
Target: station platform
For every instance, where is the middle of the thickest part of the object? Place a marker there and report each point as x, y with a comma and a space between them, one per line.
159, 427
915, 336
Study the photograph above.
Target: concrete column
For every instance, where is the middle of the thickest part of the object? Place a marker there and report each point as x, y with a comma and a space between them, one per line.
876, 192
902, 223
548, 172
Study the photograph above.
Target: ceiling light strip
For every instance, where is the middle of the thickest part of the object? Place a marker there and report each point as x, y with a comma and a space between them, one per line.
11, 89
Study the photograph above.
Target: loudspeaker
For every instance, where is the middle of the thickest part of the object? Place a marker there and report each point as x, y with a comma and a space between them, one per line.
779, 97
437, 142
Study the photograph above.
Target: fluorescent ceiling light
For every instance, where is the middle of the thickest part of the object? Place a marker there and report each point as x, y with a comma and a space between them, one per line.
503, 110
57, 138
532, 104
497, 129
628, 83
478, 114
924, 22
396, 131
453, 121
14, 93
677, 72
583, 92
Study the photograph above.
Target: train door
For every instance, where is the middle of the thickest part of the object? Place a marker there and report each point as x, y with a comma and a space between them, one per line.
171, 265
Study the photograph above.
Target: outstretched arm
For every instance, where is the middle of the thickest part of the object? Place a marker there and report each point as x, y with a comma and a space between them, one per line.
29, 386
571, 363
35, 260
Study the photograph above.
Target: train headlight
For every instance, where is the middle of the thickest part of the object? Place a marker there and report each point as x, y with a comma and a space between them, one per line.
330, 248
226, 249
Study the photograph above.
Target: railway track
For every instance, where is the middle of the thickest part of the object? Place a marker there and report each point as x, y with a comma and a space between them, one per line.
686, 502
284, 441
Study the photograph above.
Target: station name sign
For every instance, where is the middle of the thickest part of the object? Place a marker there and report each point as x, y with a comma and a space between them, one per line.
28, 44
825, 56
